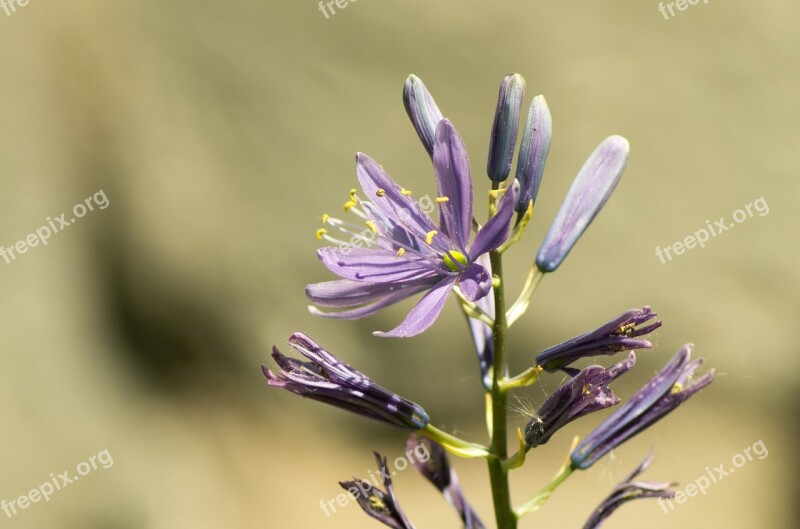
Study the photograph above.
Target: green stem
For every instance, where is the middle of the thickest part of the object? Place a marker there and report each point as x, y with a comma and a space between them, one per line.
537, 501
501, 494
454, 444
521, 304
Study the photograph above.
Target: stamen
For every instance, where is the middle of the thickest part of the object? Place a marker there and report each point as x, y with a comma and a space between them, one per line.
430, 235
353, 194
371, 226
404, 191
349, 204
442, 199
380, 192
677, 388
320, 233
400, 252
325, 218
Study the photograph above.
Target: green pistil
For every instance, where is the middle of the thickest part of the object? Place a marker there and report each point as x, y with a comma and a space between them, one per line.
455, 261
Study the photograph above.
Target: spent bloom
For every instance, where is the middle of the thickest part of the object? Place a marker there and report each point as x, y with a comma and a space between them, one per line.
629, 490
581, 395
327, 379
620, 334
438, 471
411, 254
661, 395
379, 504
587, 195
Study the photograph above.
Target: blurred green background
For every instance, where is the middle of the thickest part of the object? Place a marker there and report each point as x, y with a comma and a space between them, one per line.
220, 132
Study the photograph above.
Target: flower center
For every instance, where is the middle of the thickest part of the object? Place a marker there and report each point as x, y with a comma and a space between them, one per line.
455, 261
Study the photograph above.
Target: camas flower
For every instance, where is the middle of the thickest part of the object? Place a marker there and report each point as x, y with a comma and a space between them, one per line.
379, 504
629, 490
438, 471
620, 334
583, 394
410, 253
327, 379
662, 394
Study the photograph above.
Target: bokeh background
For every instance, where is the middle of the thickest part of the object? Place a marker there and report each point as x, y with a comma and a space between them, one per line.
221, 131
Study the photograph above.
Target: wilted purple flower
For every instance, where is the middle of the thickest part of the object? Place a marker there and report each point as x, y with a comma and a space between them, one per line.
620, 334
379, 504
437, 470
533, 152
503, 140
589, 192
327, 379
662, 394
422, 110
411, 254
584, 393
482, 333
629, 490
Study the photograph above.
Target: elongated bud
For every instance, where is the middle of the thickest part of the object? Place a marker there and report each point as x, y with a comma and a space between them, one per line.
505, 127
422, 110
533, 152
587, 195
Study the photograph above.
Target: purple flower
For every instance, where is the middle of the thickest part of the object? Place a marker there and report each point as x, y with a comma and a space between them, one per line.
584, 393
437, 470
482, 333
629, 490
617, 335
379, 504
505, 126
662, 394
587, 195
327, 379
533, 152
410, 253
422, 111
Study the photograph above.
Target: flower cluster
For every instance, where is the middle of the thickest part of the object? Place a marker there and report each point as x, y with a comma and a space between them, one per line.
409, 253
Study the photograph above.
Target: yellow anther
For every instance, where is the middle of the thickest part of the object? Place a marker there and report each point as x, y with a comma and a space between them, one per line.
349, 204
380, 192
371, 226
430, 235
325, 218
442, 199
677, 388
353, 194
320, 233
405, 191
400, 252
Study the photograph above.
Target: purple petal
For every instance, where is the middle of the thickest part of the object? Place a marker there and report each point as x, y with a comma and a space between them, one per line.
375, 265
386, 195
495, 231
533, 151
369, 309
587, 195
424, 313
454, 181
482, 333
475, 282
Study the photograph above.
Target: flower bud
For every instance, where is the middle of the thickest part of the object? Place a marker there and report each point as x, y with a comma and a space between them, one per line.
504, 129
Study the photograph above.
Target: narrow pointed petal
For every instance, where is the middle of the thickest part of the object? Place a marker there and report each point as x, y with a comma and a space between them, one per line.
533, 151
496, 231
454, 181
587, 195
422, 110
424, 313
368, 309
381, 505
375, 266
503, 140
475, 282
386, 195
349, 293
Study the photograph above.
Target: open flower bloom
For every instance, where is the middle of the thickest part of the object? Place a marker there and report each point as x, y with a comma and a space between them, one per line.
438, 471
629, 490
379, 504
327, 379
620, 334
662, 394
410, 254
584, 393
